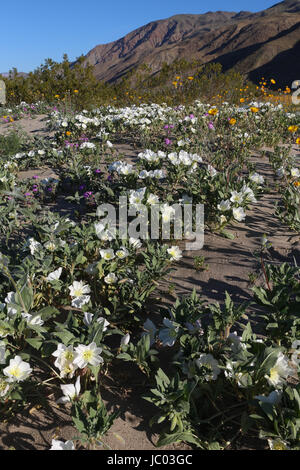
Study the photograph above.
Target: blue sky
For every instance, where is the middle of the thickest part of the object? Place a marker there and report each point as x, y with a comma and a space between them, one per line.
33, 30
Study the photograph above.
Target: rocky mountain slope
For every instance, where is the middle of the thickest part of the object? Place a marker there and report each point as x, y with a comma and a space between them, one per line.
264, 43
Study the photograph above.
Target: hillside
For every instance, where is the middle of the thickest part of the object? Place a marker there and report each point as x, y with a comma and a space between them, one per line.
263, 43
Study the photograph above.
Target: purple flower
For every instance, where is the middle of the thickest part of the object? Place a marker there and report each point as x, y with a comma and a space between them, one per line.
88, 194
166, 126
97, 170
35, 177
28, 194
49, 189
211, 125
192, 116
168, 141
81, 187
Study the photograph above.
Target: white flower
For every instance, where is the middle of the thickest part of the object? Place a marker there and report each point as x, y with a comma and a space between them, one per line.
224, 205
238, 213
103, 233
125, 339
17, 370
55, 275
11, 299
167, 212
273, 398
60, 445
34, 246
88, 318
136, 197
241, 379
175, 253
122, 253
51, 246
107, 254
87, 145
70, 391
295, 173
211, 170
277, 444
236, 342
209, 362
77, 291
248, 193
168, 335
256, 178
65, 360
109, 144
88, 355
152, 199
236, 197
135, 242
280, 371
33, 319
111, 278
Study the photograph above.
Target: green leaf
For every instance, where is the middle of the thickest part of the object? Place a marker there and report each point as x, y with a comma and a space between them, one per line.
167, 439
36, 343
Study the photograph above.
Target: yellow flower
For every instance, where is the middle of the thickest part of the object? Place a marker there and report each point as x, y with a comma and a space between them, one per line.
56, 96
293, 128
190, 78
232, 121
254, 109
242, 100
273, 81
297, 183
68, 133
298, 140
76, 91
213, 111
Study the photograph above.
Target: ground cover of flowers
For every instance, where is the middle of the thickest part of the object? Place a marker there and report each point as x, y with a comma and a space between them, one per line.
114, 343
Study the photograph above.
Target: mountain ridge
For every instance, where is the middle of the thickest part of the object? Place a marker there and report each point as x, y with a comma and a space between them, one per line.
242, 40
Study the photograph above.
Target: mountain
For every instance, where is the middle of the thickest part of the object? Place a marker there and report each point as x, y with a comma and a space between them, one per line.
266, 43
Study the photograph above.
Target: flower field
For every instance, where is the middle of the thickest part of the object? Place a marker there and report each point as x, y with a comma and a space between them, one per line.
130, 342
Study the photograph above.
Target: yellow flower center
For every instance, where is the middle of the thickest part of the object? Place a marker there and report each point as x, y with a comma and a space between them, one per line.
87, 355
15, 372
78, 292
274, 376
69, 356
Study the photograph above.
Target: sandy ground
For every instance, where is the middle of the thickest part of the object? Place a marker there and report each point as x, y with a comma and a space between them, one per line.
229, 264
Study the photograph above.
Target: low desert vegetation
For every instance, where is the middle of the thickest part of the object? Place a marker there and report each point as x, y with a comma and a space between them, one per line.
77, 299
